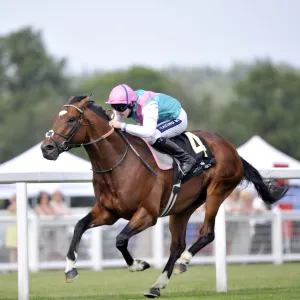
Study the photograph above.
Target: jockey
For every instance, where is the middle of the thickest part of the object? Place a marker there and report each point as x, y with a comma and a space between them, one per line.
159, 118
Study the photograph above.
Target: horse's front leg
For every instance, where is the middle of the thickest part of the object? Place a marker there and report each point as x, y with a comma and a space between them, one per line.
141, 220
177, 227
96, 217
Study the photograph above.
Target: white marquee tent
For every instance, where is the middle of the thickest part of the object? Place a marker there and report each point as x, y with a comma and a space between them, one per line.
262, 155
32, 160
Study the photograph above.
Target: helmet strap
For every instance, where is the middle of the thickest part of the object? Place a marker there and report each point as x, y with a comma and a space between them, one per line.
127, 101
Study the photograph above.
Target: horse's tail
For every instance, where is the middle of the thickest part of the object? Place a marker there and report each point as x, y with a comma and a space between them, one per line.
266, 188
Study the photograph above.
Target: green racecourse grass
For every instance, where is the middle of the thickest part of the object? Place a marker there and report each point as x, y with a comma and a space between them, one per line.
259, 282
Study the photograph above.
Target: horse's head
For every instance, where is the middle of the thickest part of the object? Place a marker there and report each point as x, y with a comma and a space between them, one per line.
70, 128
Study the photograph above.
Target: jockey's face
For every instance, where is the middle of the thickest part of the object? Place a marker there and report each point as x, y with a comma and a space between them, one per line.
124, 114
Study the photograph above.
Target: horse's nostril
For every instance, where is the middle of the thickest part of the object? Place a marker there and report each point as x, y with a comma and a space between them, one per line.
49, 152
49, 148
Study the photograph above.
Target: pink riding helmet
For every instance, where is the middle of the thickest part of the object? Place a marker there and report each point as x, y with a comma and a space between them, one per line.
121, 94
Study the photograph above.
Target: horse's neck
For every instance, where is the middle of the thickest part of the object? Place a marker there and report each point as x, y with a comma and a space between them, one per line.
106, 153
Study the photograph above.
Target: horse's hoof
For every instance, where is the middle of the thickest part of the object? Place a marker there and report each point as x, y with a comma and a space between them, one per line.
138, 265
145, 265
179, 268
71, 275
152, 293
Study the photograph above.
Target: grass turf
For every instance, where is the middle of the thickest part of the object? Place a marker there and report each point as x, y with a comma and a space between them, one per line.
245, 282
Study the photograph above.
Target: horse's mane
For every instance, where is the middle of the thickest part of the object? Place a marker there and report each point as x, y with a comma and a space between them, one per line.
97, 109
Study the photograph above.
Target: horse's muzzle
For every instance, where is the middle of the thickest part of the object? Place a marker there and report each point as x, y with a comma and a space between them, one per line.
49, 151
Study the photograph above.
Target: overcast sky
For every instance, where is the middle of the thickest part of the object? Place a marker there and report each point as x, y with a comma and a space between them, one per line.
97, 34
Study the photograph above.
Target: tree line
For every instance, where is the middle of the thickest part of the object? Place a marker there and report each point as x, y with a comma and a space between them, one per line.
259, 98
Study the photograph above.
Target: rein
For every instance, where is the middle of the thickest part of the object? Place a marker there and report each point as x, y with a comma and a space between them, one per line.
67, 138
96, 140
116, 165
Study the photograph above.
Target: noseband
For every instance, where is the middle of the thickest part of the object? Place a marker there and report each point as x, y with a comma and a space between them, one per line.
65, 145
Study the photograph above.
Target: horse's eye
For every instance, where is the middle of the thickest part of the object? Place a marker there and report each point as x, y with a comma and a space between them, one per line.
71, 120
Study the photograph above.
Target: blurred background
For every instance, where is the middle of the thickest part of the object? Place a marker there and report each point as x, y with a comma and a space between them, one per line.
234, 65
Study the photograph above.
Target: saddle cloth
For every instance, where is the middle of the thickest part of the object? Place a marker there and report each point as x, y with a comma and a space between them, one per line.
193, 145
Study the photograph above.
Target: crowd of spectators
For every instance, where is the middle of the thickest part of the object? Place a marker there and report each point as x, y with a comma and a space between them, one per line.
53, 241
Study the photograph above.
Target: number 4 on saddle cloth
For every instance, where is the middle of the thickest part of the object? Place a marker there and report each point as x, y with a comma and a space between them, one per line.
197, 148
193, 145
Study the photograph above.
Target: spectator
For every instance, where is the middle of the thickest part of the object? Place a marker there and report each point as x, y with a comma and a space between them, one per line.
246, 198
11, 234
242, 240
43, 208
58, 205
60, 233
233, 203
262, 239
238, 232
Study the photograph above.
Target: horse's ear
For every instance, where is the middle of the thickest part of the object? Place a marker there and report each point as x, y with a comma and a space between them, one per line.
70, 99
84, 102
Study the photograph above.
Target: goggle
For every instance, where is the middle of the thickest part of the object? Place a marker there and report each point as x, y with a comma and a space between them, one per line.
119, 107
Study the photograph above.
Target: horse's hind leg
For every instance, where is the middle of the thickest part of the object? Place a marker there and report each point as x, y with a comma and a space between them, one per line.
177, 227
141, 220
207, 231
96, 217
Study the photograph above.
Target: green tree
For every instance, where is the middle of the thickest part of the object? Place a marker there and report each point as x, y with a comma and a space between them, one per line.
32, 86
203, 113
267, 103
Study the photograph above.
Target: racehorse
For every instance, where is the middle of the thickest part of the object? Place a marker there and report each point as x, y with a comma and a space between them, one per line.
125, 188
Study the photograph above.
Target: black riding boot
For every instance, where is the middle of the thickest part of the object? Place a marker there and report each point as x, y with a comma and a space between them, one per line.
166, 145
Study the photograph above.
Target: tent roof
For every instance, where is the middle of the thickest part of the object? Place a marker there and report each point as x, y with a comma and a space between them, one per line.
263, 155
32, 160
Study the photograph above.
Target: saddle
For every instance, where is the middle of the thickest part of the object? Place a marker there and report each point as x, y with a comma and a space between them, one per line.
192, 144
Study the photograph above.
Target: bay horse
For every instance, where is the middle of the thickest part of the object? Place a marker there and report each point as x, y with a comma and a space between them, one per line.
124, 188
